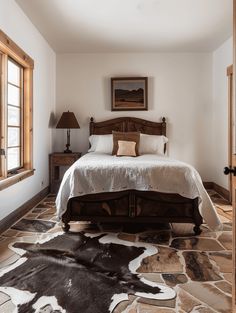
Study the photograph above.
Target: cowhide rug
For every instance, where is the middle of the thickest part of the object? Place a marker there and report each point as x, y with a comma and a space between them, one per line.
78, 272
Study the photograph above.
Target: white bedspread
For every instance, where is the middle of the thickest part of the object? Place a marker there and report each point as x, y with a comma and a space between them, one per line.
95, 173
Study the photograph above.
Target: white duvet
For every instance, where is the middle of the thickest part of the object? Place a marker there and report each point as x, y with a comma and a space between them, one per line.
96, 172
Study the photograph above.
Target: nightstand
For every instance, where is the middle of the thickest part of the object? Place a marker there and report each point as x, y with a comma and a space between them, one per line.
56, 160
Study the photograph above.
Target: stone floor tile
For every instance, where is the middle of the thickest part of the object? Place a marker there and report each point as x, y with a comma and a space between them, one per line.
224, 286
33, 225
174, 279
128, 237
223, 260
165, 261
203, 309
228, 277
227, 226
210, 295
122, 306
157, 278
25, 233
226, 239
145, 308
5, 252
156, 237
46, 216
224, 219
199, 267
41, 205
38, 210
185, 302
160, 303
10, 233
196, 243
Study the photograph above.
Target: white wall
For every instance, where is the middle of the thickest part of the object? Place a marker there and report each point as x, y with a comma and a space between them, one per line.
19, 28
222, 58
180, 88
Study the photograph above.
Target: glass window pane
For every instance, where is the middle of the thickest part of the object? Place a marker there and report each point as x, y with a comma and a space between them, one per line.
13, 95
13, 158
13, 116
13, 136
13, 73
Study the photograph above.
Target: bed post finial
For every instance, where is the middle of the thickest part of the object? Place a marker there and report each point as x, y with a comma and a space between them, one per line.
163, 126
91, 125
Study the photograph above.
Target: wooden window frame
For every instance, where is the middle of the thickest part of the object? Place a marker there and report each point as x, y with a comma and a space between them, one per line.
9, 49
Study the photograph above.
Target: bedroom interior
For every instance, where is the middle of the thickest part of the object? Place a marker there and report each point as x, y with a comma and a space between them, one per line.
116, 238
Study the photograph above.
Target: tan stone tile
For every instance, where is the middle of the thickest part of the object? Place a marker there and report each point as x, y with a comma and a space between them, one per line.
225, 207
122, 306
223, 260
10, 233
145, 308
161, 237
209, 295
5, 252
160, 303
194, 261
185, 302
228, 277
196, 243
25, 234
224, 286
128, 237
223, 219
3, 298
174, 279
45, 217
153, 277
31, 216
203, 309
226, 239
165, 261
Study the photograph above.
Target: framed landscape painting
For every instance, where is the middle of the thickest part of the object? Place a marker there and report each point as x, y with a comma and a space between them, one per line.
129, 93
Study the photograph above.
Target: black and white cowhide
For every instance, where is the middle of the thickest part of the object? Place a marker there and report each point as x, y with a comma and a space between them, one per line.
78, 272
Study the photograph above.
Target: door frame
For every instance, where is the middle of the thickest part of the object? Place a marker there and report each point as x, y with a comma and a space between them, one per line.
234, 215
230, 125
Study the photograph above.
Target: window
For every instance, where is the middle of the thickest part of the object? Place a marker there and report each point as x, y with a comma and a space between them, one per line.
16, 70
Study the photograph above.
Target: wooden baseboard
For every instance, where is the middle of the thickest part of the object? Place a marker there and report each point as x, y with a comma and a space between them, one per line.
208, 185
219, 189
12, 218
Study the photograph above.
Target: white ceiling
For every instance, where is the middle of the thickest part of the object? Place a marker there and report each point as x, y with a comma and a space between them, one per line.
131, 25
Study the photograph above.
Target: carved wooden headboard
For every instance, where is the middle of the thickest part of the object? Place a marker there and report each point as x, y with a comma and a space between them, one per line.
125, 124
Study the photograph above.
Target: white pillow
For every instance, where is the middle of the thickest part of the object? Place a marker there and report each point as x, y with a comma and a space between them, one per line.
101, 143
152, 144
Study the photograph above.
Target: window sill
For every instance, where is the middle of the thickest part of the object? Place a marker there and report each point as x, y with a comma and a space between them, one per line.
9, 181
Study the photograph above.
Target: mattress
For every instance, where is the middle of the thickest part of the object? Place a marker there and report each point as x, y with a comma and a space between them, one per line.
97, 172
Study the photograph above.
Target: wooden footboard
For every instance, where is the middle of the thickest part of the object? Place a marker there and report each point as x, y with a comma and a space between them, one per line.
133, 206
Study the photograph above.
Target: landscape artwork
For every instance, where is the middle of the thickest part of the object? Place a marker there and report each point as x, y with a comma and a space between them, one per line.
129, 93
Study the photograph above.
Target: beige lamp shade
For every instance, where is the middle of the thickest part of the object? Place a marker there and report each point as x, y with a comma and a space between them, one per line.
68, 120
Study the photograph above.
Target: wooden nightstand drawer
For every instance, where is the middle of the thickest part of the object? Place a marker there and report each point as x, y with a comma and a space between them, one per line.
65, 160
55, 161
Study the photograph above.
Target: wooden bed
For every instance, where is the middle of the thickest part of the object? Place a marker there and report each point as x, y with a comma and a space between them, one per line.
132, 205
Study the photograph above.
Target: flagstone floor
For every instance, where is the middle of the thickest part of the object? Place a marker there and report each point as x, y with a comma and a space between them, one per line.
199, 268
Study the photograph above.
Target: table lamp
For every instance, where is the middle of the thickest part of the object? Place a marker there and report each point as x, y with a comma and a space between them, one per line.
68, 121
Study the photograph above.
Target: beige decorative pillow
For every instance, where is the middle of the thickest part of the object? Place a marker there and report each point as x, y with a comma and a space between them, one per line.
125, 136
126, 148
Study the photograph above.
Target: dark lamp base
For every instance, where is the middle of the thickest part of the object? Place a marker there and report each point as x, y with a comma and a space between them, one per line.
67, 151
